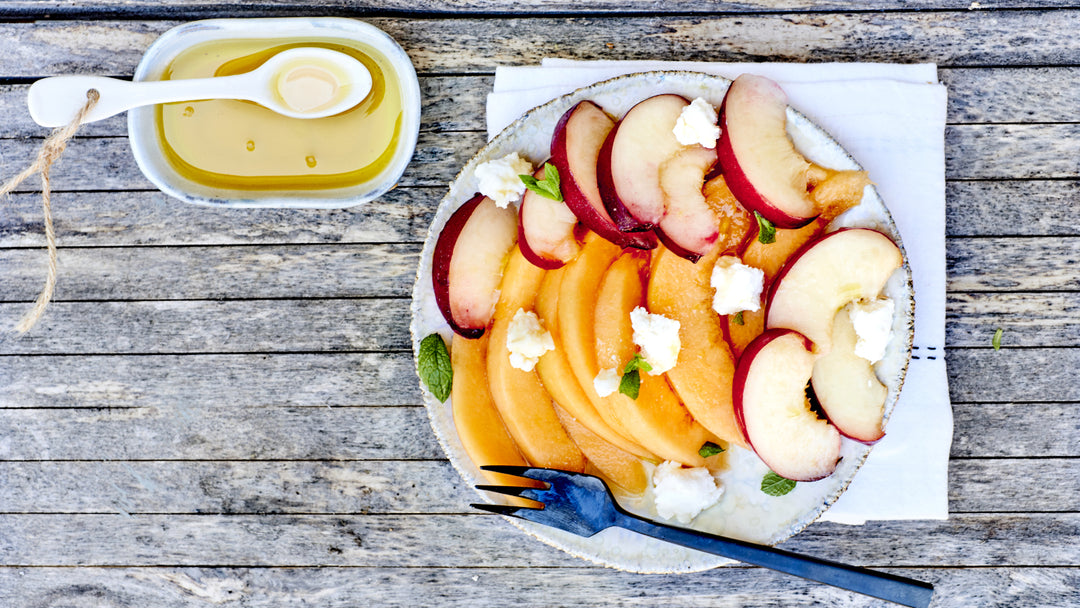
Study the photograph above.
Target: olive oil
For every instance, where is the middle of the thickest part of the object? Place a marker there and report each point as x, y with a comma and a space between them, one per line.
228, 143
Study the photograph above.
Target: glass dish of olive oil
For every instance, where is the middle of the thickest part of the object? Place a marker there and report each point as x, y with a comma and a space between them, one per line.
237, 153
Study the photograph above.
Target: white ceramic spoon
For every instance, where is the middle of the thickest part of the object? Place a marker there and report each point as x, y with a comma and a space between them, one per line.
306, 82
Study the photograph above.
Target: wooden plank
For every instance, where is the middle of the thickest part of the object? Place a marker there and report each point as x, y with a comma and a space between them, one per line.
455, 541
170, 382
213, 326
106, 163
388, 270
167, 273
1013, 375
388, 587
1013, 208
973, 208
439, 45
1016, 430
369, 324
1010, 151
233, 487
1012, 264
1013, 95
1029, 319
203, 9
386, 487
224, 431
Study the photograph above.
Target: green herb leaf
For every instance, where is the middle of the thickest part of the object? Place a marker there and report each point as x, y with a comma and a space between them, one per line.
547, 187
996, 342
710, 449
434, 366
766, 231
630, 385
738, 319
638, 362
775, 485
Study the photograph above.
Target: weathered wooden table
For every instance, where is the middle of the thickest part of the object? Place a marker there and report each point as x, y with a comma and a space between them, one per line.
220, 406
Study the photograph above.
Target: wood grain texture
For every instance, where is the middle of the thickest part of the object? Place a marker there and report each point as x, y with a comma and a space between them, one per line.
1036, 430
186, 381
344, 587
447, 46
404, 487
1013, 375
460, 541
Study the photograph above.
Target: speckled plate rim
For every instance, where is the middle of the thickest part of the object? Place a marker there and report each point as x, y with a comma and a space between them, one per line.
530, 136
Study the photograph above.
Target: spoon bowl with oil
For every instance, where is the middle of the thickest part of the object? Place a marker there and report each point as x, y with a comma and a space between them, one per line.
307, 82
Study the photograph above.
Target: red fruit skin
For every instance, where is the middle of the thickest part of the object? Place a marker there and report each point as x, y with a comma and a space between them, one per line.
534, 258
440, 265
742, 188
743, 368
579, 203
624, 220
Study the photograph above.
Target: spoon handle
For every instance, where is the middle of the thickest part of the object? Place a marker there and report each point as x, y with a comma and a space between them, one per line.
54, 102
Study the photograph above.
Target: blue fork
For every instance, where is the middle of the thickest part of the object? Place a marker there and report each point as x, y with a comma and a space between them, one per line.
583, 504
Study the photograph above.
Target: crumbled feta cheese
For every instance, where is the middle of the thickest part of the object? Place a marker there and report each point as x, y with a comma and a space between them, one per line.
738, 286
499, 179
872, 320
527, 340
697, 125
606, 382
658, 337
682, 493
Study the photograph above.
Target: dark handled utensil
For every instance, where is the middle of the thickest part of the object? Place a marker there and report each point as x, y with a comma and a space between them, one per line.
583, 504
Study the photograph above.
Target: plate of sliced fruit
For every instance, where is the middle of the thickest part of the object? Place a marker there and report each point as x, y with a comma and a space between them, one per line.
678, 283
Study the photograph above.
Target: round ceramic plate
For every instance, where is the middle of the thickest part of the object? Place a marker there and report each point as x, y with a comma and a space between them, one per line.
743, 511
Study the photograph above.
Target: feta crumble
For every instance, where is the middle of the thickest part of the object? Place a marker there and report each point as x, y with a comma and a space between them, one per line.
697, 125
872, 320
682, 493
658, 337
527, 340
738, 286
606, 382
499, 179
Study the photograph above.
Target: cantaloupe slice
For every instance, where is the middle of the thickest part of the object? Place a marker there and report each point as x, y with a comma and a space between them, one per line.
617, 466
524, 405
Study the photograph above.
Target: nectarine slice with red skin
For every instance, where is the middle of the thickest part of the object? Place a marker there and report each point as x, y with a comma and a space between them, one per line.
656, 419
559, 379
828, 273
575, 149
762, 167
526, 408
467, 263
631, 158
705, 373
773, 410
689, 227
546, 230
479, 425
849, 392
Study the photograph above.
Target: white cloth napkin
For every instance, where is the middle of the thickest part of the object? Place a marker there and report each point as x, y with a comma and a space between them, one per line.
891, 118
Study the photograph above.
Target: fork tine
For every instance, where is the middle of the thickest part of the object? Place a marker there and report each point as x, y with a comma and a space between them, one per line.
501, 509
529, 493
506, 469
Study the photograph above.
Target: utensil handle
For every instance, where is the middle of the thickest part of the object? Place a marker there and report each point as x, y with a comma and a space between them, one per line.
904, 591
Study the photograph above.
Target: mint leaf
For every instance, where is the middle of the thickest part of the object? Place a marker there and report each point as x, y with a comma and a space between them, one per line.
738, 319
638, 362
766, 231
709, 449
775, 485
996, 342
434, 366
630, 385
547, 187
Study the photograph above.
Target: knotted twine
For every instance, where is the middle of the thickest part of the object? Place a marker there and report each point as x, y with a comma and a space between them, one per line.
50, 152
